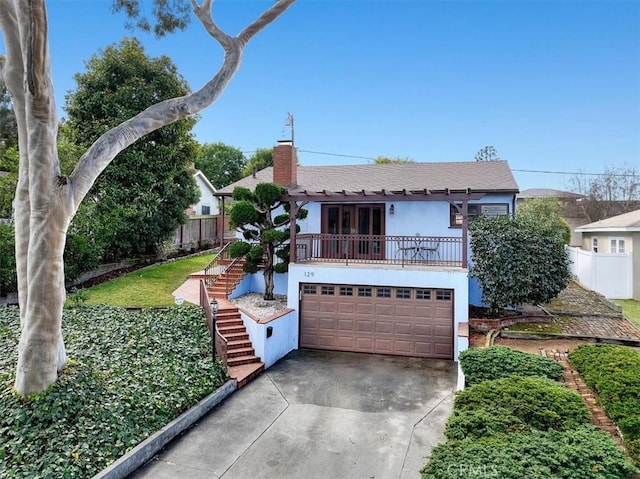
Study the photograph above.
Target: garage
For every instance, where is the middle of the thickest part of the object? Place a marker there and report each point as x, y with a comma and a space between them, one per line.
377, 319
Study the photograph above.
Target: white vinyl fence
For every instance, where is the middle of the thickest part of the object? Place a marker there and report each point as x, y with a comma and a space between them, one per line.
609, 274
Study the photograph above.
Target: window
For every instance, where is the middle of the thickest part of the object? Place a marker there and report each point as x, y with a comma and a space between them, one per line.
476, 209
328, 291
423, 294
206, 210
309, 289
403, 293
346, 291
364, 292
443, 295
383, 292
594, 244
617, 245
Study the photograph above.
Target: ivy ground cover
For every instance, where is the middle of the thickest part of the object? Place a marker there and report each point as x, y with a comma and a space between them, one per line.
613, 372
129, 374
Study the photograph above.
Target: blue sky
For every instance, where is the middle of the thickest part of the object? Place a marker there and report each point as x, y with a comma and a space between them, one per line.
553, 85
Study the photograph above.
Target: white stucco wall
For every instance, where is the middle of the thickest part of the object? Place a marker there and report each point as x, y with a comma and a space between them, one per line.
283, 339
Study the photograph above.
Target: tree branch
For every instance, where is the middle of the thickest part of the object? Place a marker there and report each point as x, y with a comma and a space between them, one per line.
102, 152
263, 20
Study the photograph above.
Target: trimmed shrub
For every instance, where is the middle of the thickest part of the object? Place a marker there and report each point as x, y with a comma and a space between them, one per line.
516, 403
499, 362
613, 372
581, 453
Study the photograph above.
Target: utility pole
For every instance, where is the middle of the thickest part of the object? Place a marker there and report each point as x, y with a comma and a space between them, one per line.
289, 122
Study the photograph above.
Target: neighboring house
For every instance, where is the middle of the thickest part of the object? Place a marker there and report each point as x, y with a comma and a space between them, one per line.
608, 261
381, 263
208, 202
570, 202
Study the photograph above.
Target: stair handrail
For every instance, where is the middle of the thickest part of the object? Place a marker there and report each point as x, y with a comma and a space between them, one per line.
214, 269
226, 276
219, 343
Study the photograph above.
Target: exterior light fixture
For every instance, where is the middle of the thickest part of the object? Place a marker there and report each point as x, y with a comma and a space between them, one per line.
392, 209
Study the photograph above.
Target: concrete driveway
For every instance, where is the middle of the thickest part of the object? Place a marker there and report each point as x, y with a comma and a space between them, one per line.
320, 414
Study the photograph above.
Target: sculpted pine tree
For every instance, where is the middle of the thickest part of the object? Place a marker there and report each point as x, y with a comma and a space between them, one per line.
46, 200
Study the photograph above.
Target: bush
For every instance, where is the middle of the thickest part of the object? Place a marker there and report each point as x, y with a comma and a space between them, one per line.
612, 371
582, 453
80, 255
499, 362
8, 278
516, 403
129, 375
516, 261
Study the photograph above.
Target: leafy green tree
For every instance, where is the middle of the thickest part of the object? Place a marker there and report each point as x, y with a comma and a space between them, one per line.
8, 125
517, 261
8, 279
47, 200
221, 164
547, 212
265, 231
261, 159
141, 197
8, 179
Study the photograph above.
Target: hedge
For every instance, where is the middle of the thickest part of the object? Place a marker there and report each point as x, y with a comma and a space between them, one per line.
499, 362
129, 374
581, 453
515, 404
614, 373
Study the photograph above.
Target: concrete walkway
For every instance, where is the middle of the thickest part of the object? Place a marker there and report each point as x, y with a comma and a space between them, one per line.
320, 415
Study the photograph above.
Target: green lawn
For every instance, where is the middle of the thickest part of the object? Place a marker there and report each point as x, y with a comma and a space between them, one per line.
150, 287
630, 309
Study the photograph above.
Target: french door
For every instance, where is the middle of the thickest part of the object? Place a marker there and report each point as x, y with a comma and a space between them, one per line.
365, 221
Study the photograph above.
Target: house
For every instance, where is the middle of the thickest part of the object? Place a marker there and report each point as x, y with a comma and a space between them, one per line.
607, 260
572, 211
208, 202
381, 261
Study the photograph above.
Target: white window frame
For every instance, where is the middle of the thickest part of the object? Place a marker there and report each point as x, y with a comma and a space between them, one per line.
617, 245
594, 244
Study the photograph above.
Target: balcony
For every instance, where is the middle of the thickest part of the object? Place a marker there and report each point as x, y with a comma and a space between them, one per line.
372, 249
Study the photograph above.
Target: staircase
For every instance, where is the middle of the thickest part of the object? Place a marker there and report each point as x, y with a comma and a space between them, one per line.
242, 363
226, 281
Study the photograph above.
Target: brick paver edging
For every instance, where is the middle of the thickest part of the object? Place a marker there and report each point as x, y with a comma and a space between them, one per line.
574, 381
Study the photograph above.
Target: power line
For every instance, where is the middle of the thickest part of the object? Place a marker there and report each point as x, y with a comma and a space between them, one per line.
546, 172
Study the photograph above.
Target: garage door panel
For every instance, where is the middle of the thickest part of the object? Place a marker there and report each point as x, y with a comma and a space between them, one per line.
346, 308
423, 349
402, 321
345, 325
364, 344
404, 310
364, 308
384, 310
405, 347
424, 330
384, 345
365, 326
327, 323
403, 328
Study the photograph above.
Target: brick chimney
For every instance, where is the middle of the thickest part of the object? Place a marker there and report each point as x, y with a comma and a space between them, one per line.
285, 164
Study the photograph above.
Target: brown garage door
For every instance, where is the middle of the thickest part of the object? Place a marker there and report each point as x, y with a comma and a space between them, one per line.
375, 319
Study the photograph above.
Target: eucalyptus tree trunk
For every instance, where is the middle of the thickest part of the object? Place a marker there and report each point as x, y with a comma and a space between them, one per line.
46, 201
